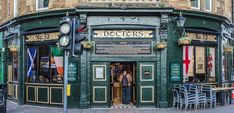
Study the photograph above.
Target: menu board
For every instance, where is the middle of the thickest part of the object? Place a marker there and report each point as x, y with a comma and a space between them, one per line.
175, 71
142, 47
72, 71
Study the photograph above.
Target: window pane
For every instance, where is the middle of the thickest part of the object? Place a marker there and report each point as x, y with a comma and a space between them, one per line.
44, 60
43, 3
57, 64
200, 64
188, 63
194, 3
32, 64
207, 4
15, 66
211, 63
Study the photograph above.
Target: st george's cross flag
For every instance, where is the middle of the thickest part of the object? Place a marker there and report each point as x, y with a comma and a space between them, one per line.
31, 57
187, 60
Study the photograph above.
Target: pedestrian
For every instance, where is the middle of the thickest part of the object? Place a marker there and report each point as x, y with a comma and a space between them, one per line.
125, 79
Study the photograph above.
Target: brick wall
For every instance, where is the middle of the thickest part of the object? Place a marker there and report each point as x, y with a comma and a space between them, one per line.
221, 7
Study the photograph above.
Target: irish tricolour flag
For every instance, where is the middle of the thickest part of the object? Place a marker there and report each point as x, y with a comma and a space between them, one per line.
58, 58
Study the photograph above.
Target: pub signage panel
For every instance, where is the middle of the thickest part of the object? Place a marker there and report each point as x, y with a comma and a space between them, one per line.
123, 47
202, 37
123, 34
42, 37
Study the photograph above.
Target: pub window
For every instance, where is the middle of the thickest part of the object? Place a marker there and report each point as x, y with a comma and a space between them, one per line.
208, 5
198, 64
15, 66
45, 64
42, 4
195, 4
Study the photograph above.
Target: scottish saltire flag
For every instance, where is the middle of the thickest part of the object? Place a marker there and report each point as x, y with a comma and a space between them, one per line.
31, 57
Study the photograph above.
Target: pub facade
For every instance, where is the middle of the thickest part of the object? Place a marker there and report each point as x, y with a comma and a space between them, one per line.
148, 43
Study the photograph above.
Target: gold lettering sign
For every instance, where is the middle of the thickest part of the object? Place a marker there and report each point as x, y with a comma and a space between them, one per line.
42, 37
202, 37
123, 34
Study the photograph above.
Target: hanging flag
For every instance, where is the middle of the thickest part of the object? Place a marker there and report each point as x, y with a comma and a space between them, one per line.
187, 61
58, 58
200, 60
31, 57
211, 61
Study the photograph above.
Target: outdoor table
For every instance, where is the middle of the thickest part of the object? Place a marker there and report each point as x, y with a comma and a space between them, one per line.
223, 95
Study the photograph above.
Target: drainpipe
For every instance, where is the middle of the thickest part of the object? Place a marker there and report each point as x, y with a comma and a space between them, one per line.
15, 8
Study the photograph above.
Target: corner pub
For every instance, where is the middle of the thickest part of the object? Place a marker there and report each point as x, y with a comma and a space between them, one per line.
146, 43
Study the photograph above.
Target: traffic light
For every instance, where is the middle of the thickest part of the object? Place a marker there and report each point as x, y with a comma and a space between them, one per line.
65, 37
78, 36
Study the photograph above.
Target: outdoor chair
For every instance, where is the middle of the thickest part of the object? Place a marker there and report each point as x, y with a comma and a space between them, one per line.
186, 98
176, 98
210, 95
2, 98
200, 97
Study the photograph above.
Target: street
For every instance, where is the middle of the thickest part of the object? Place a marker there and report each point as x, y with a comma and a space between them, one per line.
13, 107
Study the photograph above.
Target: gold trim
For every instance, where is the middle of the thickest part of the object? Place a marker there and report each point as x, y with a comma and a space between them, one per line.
100, 87
152, 87
152, 78
44, 84
94, 76
15, 91
34, 95
47, 94
51, 95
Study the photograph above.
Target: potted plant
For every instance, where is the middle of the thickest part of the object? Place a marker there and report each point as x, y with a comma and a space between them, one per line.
161, 45
184, 41
87, 44
227, 48
13, 48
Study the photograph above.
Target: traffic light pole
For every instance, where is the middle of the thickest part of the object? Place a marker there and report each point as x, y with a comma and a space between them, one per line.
66, 54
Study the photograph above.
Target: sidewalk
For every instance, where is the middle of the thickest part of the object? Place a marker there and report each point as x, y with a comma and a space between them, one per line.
15, 108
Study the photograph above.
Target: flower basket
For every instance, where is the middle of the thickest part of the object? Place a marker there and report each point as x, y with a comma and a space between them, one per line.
228, 49
184, 41
87, 45
13, 49
161, 45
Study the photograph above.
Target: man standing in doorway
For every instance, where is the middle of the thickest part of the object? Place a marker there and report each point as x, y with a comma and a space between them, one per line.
125, 79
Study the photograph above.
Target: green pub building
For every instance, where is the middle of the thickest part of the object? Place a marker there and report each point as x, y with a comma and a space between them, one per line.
148, 43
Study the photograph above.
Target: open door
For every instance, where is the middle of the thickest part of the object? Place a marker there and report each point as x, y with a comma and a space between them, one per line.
146, 72
100, 84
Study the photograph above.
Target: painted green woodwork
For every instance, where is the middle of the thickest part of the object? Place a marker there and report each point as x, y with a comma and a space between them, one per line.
42, 94
14, 91
147, 95
146, 87
31, 93
147, 72
56, 95
100, 84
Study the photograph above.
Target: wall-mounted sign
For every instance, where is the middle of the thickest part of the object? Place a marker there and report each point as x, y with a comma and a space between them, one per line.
175, 71
72, 72
202, 37
42, 37
123, 47
123, 34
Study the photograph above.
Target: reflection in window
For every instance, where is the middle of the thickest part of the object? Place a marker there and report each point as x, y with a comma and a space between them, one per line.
195, 4
42, 4
208, 5
45, 64
15, 66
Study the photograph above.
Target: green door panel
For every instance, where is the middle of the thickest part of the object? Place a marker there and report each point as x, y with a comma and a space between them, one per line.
100, 84
146, 75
